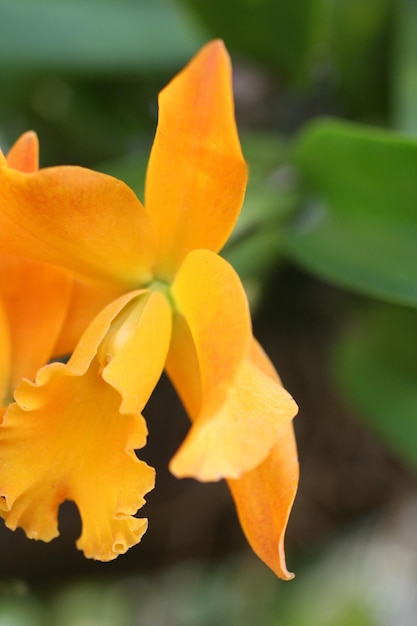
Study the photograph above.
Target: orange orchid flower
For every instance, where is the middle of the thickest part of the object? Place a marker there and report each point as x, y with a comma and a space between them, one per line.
72, 433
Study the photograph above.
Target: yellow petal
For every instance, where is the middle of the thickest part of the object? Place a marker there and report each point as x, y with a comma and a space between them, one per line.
241, 433
35, 297
209, 296
238, 410
70, 442
84, 221
24, 154
196, 175
143, 338
264, 497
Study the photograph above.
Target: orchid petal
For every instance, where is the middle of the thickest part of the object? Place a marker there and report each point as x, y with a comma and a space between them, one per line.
86, 222
87, 300
24, 154
5, 355
35, 297
196, 175
68, 441
143, 340
238, 436
209, 296
264, 496
238, 410
85, 418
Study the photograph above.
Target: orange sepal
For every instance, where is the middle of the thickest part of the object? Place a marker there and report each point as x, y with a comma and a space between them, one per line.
196, 175
86, 222
265, 495
263, 499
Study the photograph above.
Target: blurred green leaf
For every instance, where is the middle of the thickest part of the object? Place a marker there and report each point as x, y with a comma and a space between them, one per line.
281, 34
96, 36
359, 33
404, 68
376, 365
358, 225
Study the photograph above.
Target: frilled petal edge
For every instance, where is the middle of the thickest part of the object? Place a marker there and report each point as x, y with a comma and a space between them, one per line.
72, 435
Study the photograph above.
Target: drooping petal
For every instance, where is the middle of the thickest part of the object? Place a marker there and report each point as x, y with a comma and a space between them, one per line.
24, 154
196, 175
264, 496
35, 297
241, 433
238, 410
263, 499
73, 434
86, 222
209, 296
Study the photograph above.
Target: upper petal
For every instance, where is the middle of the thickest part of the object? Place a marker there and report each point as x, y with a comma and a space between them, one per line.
89, 223
196, 175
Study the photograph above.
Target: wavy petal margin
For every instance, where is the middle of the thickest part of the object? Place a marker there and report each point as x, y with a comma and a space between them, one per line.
72, 435
196, 176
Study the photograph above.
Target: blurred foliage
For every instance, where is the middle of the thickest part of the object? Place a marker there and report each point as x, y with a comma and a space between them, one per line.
376, 365
359, 224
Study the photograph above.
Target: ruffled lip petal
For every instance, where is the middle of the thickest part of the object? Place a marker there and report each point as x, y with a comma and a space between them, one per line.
68, 441
196, 176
